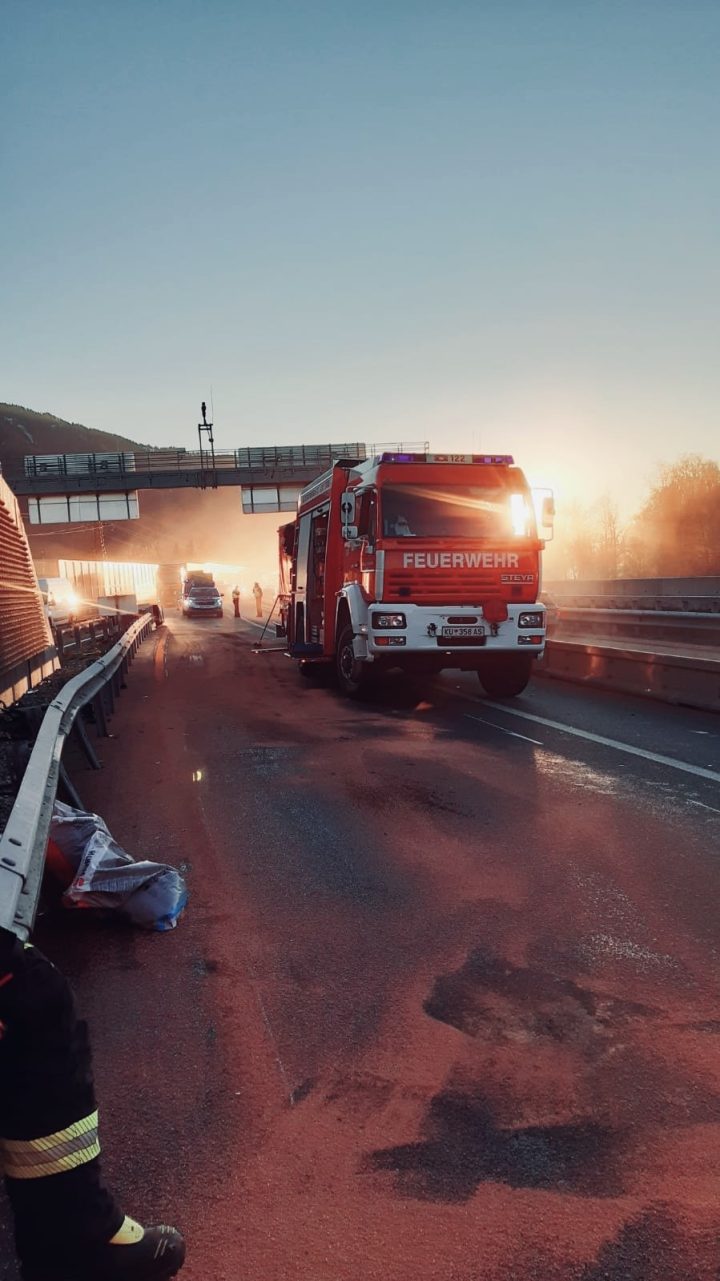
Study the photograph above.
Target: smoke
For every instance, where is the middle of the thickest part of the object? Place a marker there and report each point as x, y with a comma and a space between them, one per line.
199, 526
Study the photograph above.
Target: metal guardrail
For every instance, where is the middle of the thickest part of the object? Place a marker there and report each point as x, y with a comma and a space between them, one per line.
700, 627
688, 604
72, 636
17, 680
24, 841
640, 589
656, 638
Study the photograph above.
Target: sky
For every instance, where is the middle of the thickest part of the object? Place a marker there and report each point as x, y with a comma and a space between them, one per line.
491, 226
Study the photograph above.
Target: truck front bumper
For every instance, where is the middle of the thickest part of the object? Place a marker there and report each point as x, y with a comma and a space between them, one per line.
448, 634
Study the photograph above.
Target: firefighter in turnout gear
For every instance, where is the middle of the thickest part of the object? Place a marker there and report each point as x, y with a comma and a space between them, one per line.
68, 1226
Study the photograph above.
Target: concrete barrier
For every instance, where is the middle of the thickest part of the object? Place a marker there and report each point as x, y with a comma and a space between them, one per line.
679, 678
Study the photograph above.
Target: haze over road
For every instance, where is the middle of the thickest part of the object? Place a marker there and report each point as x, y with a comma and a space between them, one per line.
444, 1006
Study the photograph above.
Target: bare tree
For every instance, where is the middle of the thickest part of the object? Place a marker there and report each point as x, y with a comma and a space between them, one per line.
608, 539
680, 522
570, 555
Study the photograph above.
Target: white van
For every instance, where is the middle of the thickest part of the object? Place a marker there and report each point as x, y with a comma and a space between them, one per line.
61, 601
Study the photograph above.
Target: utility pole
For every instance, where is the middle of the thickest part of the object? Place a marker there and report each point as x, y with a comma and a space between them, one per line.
206, 428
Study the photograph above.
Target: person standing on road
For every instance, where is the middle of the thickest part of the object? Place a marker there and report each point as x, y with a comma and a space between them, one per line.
67, 1222
236, 600
258, 594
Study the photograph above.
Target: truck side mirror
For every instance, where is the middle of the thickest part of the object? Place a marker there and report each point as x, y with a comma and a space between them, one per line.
545, 513
347, 515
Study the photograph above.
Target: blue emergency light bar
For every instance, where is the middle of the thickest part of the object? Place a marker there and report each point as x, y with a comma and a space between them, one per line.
492, 460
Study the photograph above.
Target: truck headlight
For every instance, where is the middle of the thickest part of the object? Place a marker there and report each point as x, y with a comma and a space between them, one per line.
533, 619
388, 620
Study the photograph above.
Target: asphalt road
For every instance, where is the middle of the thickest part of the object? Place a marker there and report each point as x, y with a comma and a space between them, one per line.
444, 1006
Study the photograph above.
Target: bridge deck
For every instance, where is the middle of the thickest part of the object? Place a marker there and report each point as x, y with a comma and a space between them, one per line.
194, 478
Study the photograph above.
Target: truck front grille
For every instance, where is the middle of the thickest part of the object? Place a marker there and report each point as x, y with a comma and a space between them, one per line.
451, 587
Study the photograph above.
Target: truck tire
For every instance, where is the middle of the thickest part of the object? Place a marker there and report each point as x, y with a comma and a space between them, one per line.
354, 677
507, 676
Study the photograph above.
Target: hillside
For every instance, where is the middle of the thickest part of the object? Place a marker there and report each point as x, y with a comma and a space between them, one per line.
24, 431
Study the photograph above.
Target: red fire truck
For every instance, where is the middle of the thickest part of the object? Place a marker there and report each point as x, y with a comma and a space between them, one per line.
420, 562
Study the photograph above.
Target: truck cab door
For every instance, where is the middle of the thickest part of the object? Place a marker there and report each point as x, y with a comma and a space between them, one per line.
299, 628
367, 528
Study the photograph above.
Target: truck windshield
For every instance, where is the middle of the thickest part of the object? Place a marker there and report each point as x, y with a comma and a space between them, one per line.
461, 511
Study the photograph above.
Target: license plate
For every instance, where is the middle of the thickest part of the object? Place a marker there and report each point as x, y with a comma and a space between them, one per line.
453, 633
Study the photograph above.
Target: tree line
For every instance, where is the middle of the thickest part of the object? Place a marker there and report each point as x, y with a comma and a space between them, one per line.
676, 532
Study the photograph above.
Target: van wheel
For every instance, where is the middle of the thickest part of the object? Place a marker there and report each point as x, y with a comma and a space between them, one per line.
506, 677
353, 676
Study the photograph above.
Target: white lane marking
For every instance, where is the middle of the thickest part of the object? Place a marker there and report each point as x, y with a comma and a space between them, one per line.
502, 728
703, 806
697, 770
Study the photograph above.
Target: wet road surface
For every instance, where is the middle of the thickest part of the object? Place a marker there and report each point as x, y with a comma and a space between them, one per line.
444, 1006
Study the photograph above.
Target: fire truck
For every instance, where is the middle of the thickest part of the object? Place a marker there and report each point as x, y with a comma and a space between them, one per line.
420, 562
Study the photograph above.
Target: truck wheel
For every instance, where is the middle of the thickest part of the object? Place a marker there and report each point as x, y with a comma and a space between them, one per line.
353, 676
506, 677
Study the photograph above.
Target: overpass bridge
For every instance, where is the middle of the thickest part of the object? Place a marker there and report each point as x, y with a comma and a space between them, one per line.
64, 488
45, 474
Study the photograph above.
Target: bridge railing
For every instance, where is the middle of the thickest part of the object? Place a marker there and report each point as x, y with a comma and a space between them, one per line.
170, 460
